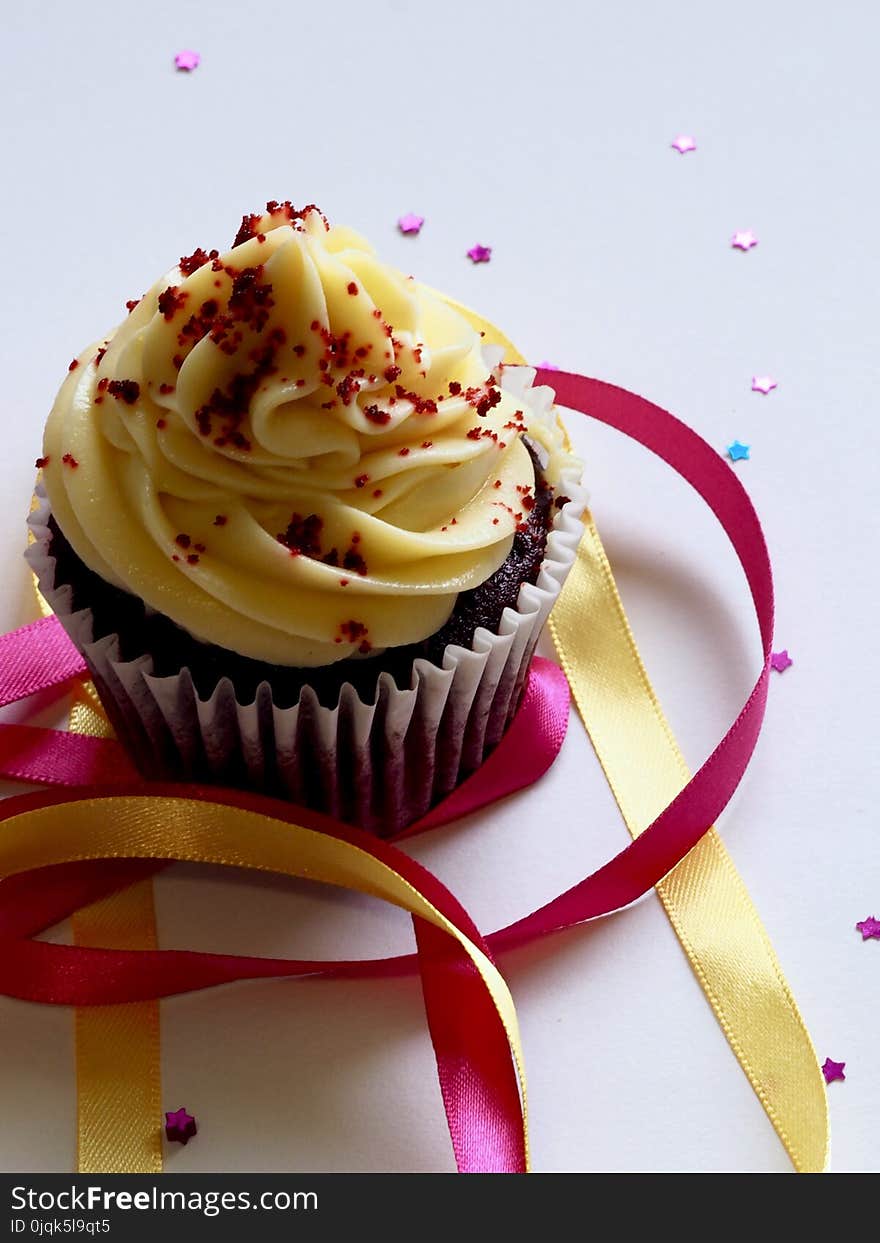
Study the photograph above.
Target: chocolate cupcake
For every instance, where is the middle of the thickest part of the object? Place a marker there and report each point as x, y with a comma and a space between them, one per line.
303, 526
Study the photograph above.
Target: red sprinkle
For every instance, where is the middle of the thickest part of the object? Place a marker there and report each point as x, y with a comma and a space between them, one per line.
161, 424
353, 630
343, 582
41, 462
198, 259
421, 405
247, 228
182, 540
171, 300
192, 559
361, 480
221, 520
352, 288
124, 390
70, 460
485, 404
288, 213
377, 493
404, 452
352, 560
74, 364
348, 387
303, 535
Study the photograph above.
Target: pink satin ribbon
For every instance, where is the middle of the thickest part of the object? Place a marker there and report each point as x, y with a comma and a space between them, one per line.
528, 748
36, 657
52, 973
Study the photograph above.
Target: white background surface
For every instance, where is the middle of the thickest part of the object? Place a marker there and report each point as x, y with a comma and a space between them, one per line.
543, 131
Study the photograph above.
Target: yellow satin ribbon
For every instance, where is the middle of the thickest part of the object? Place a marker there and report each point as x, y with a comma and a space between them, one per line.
116, 1048
118, 1062
704, 898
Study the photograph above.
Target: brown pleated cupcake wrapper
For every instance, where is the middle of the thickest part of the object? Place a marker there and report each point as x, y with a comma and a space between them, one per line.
380, 765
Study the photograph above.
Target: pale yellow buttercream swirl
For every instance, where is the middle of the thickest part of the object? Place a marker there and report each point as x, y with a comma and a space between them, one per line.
291, 450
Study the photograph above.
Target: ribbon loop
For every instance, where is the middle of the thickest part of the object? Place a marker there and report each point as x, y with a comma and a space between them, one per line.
468, 1003
470, 1012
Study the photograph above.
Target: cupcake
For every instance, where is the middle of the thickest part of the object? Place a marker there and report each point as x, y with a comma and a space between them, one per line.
303, 525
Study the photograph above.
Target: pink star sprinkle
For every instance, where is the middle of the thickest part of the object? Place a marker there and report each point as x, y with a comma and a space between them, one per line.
547, 366
411, 223
780, 660
833, 1070
180, 1126
763, 384
684, 143
869, 927
187, 60
743, 239
480, 254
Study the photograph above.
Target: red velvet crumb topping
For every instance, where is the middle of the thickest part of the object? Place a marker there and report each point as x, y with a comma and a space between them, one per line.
124, 390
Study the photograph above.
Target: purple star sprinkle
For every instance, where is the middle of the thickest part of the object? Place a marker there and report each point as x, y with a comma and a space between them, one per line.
187, 60
833, 1070
683, 144
411, 223
480, 254
180, 1126
763, 384
780, 660
869, 927
545, 365
743, 239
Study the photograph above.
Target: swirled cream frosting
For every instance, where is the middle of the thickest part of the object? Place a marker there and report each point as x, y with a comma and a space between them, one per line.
290, 449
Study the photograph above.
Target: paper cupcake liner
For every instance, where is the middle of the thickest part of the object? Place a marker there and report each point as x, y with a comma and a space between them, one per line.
381, 764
